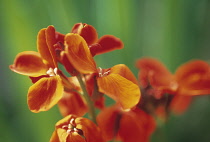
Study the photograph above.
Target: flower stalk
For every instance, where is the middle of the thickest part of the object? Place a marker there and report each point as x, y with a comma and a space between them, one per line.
90, 104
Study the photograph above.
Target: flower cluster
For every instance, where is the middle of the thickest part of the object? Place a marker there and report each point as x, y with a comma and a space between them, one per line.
64, 72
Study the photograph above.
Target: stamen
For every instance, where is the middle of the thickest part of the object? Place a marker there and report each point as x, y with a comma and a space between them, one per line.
52, 72
101, 73
71, 127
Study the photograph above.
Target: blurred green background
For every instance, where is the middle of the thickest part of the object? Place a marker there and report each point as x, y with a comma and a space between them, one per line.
174, 31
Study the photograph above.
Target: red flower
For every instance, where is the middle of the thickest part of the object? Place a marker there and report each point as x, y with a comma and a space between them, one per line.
47, 89
97, 46
76, 129
127, 126
117, 82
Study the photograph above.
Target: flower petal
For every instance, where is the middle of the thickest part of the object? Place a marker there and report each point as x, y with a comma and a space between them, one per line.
45, 45
45, 93
91, 131
79, 54
120, 89
108, 43
108, 120
193, 78
136, 125
180, 103
29, 63
156, 74
72, 103
125, 72
88, 32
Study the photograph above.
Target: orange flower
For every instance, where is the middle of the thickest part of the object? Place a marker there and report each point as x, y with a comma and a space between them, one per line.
117, 82
47, 89
127, 126
76, 129
97, 46
190, 79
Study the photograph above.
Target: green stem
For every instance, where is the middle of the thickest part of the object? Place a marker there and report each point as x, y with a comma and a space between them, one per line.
90, 104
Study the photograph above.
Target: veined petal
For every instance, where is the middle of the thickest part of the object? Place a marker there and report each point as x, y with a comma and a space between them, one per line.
88, 32
45, 93
29, 63
122, 90
79, 54
45, 41
125, 72
108, 43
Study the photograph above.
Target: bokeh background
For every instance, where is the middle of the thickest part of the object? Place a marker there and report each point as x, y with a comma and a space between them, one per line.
173, 31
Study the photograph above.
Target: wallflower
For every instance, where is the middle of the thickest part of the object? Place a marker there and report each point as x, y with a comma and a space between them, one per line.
42, 66
126, 125
76, 129
97, 46
117, 82
190, 79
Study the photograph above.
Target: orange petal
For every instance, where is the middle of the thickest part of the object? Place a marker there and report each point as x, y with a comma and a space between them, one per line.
88, 32
136, 125
45, 93
120, 89
125, 72
54, 137
67, 64
108, 120
108, 43
29, 63
45, 45
79, 54
91, 131
72, 103
193, 78
155, 73
180, 104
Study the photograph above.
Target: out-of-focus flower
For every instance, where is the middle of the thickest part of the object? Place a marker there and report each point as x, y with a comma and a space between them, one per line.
126, 125
190, 79
42, 66
76, 129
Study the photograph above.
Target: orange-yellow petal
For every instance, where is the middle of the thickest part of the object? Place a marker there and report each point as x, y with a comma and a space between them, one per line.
88, 32
124, 71
79, 54
45, 45
45, 93
122, 90
108, 43
29, 63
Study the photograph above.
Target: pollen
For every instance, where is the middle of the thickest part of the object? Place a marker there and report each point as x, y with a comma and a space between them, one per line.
52, 72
